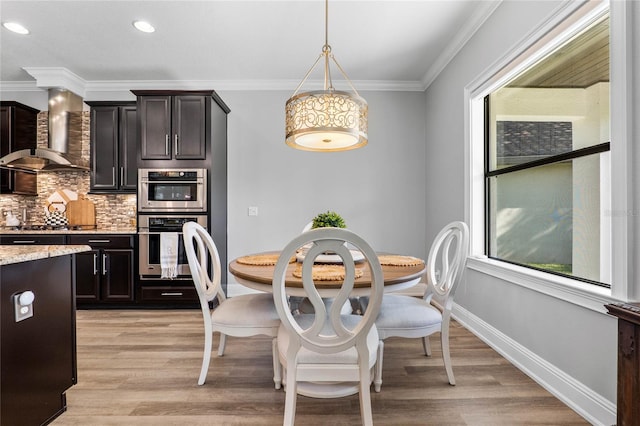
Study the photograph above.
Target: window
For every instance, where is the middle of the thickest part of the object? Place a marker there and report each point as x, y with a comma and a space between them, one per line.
547, 160
612, 153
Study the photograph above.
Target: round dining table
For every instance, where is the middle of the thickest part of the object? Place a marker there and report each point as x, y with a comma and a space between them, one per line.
260, 277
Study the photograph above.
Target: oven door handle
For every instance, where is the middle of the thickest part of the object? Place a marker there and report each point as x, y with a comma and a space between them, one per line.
194, 182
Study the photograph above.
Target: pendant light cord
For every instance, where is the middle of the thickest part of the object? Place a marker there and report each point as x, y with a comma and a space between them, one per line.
326, 24
326, 52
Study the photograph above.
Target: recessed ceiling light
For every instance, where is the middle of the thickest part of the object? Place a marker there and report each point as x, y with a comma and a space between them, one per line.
144, 26
15, 27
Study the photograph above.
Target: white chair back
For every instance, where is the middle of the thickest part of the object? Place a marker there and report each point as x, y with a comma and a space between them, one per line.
446, 261
204, 263
328, 333
327, 346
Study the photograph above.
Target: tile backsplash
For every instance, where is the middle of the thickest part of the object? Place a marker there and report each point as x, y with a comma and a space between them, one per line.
113, 211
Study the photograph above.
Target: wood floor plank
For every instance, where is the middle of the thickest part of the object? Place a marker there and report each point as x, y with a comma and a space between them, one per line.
140, 367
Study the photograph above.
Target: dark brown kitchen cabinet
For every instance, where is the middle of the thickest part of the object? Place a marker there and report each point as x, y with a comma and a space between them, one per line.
105, 275
172, 127
32, 239
18, 130
113, 147
38, 353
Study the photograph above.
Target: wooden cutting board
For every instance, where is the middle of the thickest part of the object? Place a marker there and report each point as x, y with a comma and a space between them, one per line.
81, 212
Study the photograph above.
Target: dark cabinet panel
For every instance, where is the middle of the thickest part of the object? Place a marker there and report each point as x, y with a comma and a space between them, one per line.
155, 127
128, 148
173, 126
37, 354
113, 147
32, 239
117, 275
189, 127
87, 277
106, 274
18, 130
104, 148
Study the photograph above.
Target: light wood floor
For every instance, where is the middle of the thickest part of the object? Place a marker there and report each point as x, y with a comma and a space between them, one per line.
140, 367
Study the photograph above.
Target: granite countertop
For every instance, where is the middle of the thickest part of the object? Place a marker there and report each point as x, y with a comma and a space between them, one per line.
16, 254
7, 231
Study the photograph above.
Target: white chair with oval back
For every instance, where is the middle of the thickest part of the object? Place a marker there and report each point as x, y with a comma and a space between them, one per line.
302, 305
239, 316
413, 317
327, 346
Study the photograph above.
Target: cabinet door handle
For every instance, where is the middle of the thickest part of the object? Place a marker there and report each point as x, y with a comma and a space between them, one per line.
121, 175
99, 241
177, 150
113, 176
95, 264
166, 144
171, 294
104, 264
24, 241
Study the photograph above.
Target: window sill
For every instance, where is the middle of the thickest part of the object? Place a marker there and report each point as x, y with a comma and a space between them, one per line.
582, 294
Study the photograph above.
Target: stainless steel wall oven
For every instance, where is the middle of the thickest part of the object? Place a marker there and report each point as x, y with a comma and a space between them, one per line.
149, 229
172, 190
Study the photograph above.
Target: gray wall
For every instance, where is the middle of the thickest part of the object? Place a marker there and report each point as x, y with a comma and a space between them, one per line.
378, 189
578, 341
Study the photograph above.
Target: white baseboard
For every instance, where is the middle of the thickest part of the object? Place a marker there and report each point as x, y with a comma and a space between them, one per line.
583, 400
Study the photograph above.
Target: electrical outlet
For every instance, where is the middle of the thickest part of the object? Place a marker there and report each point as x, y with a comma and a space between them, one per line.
253, 211
23, 305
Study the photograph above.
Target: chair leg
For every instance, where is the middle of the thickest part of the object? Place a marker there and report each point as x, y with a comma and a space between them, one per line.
206, 357
291, 394
377, 377
365, 395
277, 368
426, 345
446, 355
223, 344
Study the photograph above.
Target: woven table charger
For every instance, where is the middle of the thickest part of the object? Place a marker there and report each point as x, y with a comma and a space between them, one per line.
326, 272
261, 259
397, 260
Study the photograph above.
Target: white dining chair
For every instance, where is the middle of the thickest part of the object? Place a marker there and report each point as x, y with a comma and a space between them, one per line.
414, 317
327, 346
238, 316
302, 305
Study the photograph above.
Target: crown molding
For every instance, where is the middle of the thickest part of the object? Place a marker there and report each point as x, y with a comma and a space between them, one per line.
242, 85
19, 86
91, 88
57, 77
485, 9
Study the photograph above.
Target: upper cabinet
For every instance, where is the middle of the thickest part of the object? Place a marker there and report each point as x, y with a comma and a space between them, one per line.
173, 127
113, 147
18, 130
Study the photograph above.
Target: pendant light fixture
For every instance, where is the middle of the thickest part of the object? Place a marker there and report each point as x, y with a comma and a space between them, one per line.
326, 120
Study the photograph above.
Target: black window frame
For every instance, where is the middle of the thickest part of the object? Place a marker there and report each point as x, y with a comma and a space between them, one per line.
488, 174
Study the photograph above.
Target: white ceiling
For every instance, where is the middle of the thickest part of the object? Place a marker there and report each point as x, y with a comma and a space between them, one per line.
236, 44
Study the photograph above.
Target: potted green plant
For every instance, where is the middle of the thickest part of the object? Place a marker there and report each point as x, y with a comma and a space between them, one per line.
330, 219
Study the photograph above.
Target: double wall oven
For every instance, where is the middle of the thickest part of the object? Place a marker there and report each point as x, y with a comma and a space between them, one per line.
168, 198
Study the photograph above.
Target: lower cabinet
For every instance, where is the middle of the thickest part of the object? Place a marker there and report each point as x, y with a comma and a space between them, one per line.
105, 274
170, 295
32, 239
38, 354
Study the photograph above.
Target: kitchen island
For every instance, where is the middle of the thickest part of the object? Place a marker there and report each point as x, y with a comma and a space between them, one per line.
37, 331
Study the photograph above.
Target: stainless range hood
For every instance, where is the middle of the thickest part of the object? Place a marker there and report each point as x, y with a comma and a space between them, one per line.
64, 151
